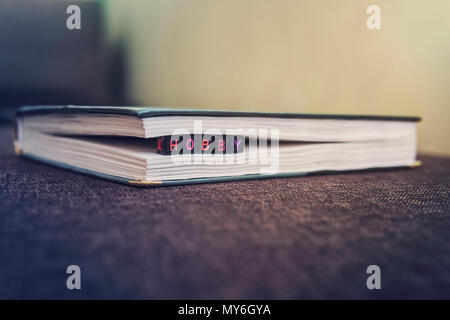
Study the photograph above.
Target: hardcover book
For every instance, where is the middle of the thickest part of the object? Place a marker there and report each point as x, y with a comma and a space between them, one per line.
145, 146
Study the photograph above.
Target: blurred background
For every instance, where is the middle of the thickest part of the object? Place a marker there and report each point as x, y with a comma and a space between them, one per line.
272, 55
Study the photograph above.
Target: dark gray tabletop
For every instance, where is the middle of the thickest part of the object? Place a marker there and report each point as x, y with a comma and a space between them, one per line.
306, 237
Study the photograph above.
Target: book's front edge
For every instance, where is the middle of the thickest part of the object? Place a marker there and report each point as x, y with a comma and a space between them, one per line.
159, 183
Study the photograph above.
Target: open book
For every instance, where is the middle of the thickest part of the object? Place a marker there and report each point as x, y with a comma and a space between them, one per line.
124, 143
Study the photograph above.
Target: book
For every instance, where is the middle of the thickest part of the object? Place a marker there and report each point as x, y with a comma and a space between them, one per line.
147, 146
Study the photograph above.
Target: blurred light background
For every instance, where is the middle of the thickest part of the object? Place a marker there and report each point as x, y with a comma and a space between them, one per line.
265, 55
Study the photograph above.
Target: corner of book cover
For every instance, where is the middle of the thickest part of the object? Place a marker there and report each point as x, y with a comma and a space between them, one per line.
416, 164
145, 183
15, 136
17, 150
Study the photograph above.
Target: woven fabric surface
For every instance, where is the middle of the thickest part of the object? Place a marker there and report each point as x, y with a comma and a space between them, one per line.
305, 237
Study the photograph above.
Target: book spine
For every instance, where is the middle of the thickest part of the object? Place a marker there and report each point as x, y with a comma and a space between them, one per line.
200, 144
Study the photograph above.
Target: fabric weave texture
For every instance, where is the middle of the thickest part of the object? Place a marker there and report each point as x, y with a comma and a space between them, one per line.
292, 238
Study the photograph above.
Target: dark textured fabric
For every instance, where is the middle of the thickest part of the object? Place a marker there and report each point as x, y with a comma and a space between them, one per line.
306, 237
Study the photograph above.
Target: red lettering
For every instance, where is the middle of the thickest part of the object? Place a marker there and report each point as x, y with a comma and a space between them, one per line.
192, 144
205, 145
172, 144
160, 141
